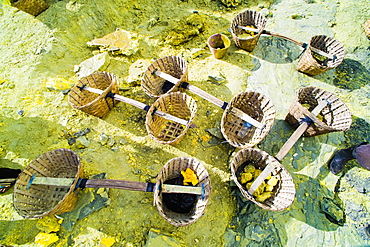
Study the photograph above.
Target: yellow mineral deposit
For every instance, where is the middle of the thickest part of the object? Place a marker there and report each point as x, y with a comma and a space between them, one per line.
246, 34
265, 190
107, 242
189, 177
46, 239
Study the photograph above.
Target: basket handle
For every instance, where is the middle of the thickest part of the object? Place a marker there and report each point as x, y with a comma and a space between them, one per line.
304, 45
115, 184
286, 147
139, 105
220, 103
300, 130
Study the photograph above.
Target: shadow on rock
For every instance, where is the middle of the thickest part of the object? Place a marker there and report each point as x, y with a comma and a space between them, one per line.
351, 75
276, 50
358, 133
242, 59
316, 205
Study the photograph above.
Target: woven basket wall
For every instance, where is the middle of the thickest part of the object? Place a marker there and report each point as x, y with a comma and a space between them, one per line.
247, 18
335, 116
92, 103
165, 131
309, 65
32, 7
256, 106
285, 189
172, 65
41, 200
172, 169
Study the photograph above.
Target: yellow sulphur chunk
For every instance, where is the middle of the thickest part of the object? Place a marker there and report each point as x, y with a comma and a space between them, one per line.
257, 172
245, 177
260, 189
249, 168
273, 181
264, 196
46, 238
269, 188
189, 177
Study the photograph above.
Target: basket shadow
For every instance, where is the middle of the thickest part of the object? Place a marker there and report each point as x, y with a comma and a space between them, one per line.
358, 133
350, 75
276, 50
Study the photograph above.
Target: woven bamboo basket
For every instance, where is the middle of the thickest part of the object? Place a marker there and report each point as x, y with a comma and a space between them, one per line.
177, 104
247, 18
41, 200
91, 103
256, 106
309, 65
172, 169
367, 28
32, 7
154, 85
334, 117
284, 191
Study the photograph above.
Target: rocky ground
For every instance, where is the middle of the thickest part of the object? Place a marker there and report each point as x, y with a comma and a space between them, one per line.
42, 57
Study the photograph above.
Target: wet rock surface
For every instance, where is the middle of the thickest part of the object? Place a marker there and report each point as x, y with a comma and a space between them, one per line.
38, 57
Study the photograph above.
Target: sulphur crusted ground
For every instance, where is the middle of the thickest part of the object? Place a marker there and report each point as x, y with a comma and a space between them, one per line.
38, 52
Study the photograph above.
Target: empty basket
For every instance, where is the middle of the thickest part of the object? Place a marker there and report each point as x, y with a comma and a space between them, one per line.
91, 103
154, 85
32, 7
256, 106
177, 104
172, 169
248, 18
41, 200
334, 117
284, 191
310, 65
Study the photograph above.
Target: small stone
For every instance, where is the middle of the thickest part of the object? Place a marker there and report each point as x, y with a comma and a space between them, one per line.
332, 212
82, 142
58, 84
98, 62
103, 139
119, 42
111, 142
216, 132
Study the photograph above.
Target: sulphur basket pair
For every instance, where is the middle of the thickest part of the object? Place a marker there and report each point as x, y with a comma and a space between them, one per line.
49, 185
321, 54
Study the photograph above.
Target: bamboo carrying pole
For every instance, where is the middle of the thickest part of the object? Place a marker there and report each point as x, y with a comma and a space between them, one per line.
304, 45
286, 147
114, 184
220, 103
141, 106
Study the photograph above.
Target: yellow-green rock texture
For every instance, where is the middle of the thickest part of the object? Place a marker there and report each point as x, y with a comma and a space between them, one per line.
39, 55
